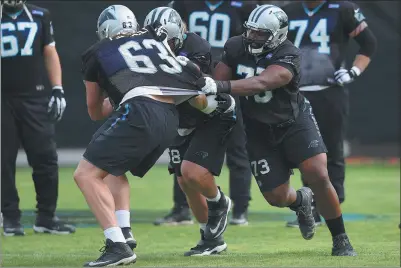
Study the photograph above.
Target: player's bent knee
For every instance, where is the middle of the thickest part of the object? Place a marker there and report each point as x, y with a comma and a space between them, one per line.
192, 173
276, 198
85, 170
314, 169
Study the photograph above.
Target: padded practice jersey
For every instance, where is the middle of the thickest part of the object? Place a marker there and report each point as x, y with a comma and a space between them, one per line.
23, 40
215, 21
196, 49
138, 64
322, 35
270, 107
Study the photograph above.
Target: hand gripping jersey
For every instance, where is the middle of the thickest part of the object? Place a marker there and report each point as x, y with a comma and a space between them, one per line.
215, 21
138, 64
196, 49
23, 37
270, 107
322, 35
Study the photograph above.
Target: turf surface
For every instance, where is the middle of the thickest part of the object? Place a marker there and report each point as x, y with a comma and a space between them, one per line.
371, 210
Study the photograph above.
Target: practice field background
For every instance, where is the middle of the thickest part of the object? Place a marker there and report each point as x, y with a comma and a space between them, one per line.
372, 214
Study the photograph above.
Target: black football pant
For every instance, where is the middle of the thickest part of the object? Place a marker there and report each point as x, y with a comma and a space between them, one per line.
25, 121
239, 167
330, 107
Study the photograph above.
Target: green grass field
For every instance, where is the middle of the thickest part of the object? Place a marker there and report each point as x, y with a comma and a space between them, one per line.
372, 214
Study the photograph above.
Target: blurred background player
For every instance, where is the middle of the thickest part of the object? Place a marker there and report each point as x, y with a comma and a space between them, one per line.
322, 30
216, 21
28, 114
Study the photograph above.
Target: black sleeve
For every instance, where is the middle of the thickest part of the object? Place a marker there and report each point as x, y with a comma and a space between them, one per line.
90, 67
179, 6
351, 16
202, 55
228, 56
288, 58
48, 33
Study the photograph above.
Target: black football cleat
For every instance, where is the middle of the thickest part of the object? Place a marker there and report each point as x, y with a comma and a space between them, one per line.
12, 227
129, 237
342, 246
113, 254
316, 215
304, 213
53, 225
218, 215
177, 216
207, 247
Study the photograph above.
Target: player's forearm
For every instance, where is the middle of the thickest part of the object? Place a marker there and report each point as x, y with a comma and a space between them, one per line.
272, 78
107, 108
53, 66
198, 102
361, 62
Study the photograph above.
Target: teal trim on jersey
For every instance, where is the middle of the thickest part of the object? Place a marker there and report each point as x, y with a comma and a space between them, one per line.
215, 6
314, 11
16, 14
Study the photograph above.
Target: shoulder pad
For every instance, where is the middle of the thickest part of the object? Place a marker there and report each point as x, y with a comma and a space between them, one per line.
234, 46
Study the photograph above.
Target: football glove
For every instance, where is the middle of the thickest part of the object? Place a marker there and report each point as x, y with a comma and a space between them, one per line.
210, 86
56, 104
344, 76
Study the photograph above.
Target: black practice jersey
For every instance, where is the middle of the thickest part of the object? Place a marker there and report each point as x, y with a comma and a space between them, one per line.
138, 62
24, 35
215, 21
322, 35
196, 49
270, 107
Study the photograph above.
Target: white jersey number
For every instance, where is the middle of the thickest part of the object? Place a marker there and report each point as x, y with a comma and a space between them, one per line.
263, 97
318, 35
147, 65
9, 42
211, 34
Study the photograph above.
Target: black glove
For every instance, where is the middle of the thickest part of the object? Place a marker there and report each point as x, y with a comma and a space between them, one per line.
56, 104
213, 87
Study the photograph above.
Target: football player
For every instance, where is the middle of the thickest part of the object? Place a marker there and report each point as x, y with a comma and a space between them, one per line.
263, 67
322, 30
196, 144
216, 21
127, 65
29, 113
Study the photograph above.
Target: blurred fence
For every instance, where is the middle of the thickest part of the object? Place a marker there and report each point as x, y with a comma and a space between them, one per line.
374, 97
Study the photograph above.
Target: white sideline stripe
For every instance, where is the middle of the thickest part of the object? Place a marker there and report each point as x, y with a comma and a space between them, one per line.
71, 157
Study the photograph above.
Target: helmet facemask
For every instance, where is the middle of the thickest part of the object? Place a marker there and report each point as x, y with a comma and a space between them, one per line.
258, 41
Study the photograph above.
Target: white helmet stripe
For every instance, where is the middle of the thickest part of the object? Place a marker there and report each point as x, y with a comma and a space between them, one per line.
258, 12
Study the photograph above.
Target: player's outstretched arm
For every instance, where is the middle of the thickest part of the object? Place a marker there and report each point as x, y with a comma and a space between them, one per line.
99, 107
274, 76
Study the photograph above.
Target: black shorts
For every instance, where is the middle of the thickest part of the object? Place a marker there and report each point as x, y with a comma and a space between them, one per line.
273, 151
205, 146
134, 137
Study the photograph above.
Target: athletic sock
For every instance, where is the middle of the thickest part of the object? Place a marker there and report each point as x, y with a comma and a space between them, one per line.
215, 199
336, 226
114, 234
202, 226
123, 218
298, 201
